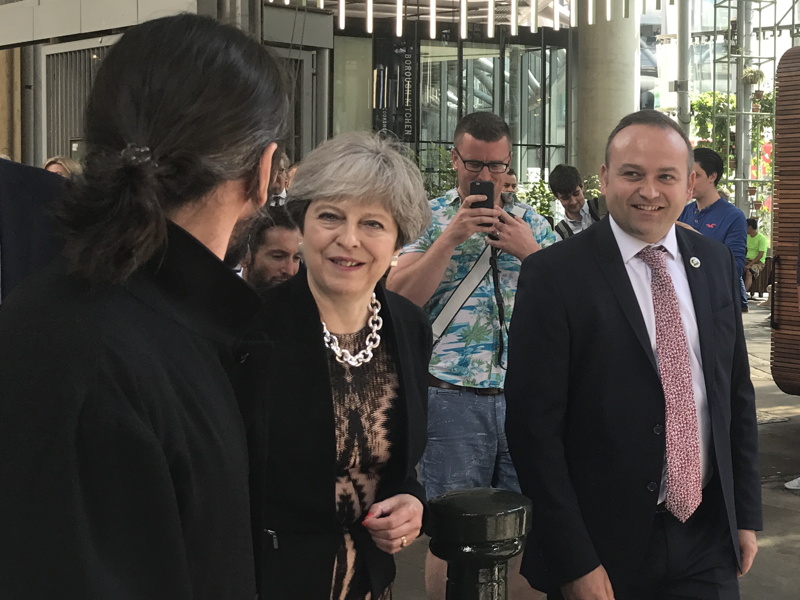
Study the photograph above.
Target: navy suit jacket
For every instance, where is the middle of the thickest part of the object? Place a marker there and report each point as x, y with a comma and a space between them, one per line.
27, 241
586, 408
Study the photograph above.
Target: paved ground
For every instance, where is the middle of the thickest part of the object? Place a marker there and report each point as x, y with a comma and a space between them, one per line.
776, 574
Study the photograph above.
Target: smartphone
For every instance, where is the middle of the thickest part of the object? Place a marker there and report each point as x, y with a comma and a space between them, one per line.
482, 188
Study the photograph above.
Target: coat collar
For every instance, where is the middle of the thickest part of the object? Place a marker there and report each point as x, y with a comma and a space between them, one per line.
612, 266
188, 283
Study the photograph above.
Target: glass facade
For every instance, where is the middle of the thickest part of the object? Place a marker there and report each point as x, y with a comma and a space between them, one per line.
526, 84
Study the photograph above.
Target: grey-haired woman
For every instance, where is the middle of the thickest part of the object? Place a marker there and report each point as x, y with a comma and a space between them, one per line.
347, 379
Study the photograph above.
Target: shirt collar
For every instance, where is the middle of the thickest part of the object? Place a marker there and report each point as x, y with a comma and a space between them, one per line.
630, 246
584, 212
708, 208
451, 196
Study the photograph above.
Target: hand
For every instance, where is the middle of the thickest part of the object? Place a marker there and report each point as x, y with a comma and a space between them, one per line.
515, 237
468, 221
748, 545
395, 522
595, 585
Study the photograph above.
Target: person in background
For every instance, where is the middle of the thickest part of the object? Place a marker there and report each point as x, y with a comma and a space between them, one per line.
510, 182
273, 248
712, 215
757, 245
63, 165
277, 189
123, 456
566, 183
466, 436
344, 404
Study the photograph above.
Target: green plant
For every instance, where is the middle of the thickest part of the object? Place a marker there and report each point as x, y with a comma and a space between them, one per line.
764, 118
753, 75
591, 186
758, 135
712, 123
438, 174
710, 112
538, 195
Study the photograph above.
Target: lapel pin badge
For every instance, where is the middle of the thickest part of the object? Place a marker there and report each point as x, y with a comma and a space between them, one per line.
695, 262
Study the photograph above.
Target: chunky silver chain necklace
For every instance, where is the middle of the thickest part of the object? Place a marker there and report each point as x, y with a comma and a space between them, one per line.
373, 339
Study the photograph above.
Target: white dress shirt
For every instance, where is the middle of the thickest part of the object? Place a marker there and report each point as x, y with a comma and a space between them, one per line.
639, 274
578, 225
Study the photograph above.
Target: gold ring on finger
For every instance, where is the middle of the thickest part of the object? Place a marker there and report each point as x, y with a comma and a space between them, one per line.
403, 542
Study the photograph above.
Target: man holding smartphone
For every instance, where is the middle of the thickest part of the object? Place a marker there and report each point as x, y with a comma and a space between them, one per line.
468, 292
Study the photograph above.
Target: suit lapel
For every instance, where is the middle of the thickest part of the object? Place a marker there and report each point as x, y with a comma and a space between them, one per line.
613, 269
698, 284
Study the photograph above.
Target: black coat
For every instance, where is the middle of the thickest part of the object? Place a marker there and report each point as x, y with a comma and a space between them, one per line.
27, 239
294, 469
586, 408
123, 461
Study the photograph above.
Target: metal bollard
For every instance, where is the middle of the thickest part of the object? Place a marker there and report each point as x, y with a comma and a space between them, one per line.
477, 532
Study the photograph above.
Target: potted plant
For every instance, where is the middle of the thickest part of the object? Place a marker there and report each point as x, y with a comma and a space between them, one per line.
753, 75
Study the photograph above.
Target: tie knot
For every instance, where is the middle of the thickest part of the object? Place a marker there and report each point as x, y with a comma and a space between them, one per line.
653, 256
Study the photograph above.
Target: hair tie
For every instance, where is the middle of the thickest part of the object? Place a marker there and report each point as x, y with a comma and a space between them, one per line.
134, 155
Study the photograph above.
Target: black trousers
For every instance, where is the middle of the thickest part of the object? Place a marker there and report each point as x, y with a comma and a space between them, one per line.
686, 561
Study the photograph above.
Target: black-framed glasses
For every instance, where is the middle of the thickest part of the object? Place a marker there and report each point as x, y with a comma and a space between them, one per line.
476, 166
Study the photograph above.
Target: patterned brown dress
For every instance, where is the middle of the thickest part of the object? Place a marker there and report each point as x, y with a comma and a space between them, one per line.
364, 404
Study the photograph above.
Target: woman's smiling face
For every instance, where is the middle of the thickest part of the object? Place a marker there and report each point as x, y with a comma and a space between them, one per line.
348, 245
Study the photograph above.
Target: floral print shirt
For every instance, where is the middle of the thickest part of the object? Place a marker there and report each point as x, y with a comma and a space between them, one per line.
467, 353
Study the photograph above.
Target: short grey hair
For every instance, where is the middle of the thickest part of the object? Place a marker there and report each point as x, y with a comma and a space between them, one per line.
366, 167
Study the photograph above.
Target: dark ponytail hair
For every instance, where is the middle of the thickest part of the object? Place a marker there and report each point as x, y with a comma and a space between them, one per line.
180, 105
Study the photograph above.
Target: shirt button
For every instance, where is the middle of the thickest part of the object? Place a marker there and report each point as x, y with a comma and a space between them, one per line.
658, 429
652, 486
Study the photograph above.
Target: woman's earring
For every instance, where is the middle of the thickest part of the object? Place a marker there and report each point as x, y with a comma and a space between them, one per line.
395, 258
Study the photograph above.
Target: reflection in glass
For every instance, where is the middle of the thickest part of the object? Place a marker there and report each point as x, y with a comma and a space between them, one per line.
524, 84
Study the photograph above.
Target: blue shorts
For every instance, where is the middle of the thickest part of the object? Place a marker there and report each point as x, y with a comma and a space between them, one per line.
467, 445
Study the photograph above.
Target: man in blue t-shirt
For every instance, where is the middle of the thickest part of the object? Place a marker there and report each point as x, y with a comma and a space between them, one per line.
711, 214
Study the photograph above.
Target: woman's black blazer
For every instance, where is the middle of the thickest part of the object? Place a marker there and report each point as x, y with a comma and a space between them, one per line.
293, 446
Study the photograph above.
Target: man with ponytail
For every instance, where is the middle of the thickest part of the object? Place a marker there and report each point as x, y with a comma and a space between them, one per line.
123, 459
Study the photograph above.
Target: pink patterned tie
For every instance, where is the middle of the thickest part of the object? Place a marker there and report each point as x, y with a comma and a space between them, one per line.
684, 486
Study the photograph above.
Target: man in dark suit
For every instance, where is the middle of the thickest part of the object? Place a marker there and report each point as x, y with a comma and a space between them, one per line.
631, 415
27, 240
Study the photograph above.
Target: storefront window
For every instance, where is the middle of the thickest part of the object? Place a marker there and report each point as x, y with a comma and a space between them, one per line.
481, 78
523, 83
438, 91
